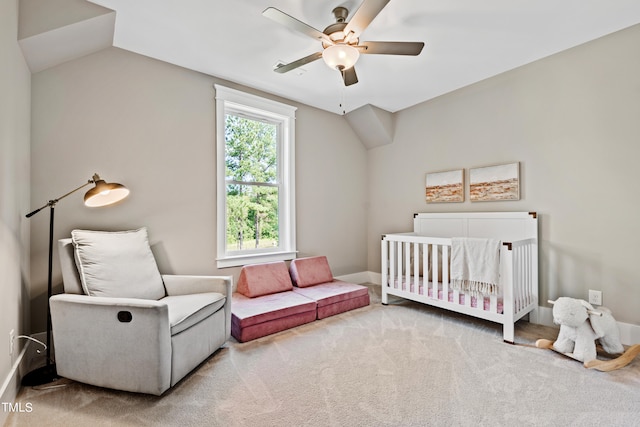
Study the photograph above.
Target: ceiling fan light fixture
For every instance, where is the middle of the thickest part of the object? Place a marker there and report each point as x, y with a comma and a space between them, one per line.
340, 56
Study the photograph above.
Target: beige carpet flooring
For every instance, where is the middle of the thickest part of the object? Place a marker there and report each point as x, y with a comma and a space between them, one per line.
404, 364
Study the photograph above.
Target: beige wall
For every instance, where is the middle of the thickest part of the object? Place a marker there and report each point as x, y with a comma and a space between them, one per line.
573, 121
14, 190
151, 126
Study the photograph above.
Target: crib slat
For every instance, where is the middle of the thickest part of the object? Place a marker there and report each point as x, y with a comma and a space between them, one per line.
392, 263
522, 260
524, 300
445, 272
493, 304
406, 265
456, 293
416, 267
399, 264
384, 250
437, 269
425, 269
407, 260
531, 274
517, 285
517, 291
522, 286
519, 267
434, 271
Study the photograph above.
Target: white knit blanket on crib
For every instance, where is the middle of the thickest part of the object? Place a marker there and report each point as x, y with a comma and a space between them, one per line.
475, 265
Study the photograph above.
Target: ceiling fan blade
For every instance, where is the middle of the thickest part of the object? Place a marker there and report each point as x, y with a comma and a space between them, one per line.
366, 13
300, 62
290, 22
391, 48
349, 76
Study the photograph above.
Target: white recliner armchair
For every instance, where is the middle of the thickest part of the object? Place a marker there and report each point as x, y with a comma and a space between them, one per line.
121, 324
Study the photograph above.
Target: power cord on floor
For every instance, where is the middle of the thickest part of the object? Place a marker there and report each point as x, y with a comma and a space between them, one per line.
27, 337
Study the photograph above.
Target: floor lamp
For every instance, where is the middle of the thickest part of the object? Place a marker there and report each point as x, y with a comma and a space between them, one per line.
102, 194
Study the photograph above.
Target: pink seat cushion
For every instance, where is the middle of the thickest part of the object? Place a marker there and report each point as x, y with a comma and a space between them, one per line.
264, 279
332, 292
310, 271
336, 297
250, 311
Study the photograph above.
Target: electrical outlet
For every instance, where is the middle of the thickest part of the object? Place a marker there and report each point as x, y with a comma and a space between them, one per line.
595, 297
12, 338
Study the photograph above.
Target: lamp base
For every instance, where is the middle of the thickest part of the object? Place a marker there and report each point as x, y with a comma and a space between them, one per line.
40, 376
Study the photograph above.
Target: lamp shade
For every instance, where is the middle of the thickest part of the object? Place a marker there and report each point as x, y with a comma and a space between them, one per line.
340, 56
104, 193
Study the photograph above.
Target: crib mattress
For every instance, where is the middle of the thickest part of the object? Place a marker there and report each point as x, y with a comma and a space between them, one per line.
486, 301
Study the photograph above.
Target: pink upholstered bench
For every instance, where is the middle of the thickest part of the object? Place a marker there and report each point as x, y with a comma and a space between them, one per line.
313, 279
265, 304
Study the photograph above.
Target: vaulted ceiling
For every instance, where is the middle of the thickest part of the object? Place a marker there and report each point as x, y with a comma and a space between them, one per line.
465, 41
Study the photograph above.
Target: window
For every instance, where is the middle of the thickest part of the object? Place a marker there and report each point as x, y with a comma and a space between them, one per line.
255, 179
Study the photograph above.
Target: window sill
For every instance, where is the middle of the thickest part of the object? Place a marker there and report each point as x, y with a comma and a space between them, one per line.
240, 260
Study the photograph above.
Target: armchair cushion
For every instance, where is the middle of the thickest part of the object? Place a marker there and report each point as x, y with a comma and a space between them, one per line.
117, 264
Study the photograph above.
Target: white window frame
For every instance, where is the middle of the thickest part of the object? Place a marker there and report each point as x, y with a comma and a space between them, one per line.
234, 101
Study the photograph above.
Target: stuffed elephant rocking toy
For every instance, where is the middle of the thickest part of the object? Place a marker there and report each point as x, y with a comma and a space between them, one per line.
581, 325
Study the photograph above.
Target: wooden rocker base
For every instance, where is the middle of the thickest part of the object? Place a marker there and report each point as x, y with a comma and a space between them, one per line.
601, 365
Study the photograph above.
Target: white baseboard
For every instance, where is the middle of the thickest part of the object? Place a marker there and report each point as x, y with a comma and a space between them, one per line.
361, 277
11, 384
629, 333
375, 278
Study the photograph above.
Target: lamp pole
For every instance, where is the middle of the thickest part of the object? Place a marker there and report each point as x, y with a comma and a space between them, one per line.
47, 373
102, 194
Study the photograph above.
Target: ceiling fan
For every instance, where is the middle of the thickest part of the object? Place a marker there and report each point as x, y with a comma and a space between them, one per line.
341, 41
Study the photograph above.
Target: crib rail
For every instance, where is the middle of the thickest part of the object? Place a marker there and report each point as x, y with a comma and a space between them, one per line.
416, 267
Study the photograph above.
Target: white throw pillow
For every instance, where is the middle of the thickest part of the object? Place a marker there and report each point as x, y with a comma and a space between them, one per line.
117, 264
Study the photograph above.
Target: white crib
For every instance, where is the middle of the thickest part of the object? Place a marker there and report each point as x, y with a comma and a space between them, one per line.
415, 265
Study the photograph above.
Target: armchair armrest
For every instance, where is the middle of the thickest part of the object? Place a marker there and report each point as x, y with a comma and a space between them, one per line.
112, 342
85, 300
185, 285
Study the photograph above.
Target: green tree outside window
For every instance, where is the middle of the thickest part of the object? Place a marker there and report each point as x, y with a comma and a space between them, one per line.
251, 163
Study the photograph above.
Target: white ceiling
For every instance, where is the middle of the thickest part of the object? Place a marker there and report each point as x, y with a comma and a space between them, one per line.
466, 41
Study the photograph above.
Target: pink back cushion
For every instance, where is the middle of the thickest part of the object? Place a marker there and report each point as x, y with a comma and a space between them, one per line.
310, 271
264, 279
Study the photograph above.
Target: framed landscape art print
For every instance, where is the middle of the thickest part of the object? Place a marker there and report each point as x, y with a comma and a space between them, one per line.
443, 187
493, 183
